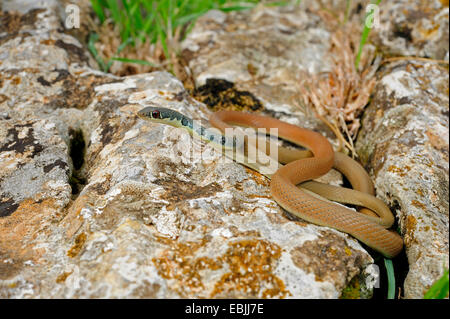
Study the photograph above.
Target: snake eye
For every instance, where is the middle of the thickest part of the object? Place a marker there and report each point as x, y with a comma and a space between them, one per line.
156, 114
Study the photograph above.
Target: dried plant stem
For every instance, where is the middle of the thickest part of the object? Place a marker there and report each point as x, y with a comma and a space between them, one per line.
398, 58
339, 96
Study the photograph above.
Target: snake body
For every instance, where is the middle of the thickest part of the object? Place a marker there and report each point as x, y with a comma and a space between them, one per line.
291, 185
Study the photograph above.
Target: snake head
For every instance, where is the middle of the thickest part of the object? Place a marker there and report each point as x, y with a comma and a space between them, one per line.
150, 113
164, 115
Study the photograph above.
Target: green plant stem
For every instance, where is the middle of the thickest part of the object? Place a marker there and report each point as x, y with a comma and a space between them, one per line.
347, 10
439, 290
391, 278
364, 36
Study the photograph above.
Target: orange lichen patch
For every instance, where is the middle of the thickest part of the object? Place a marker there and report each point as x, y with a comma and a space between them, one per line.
427, 32
62, 278
178, 263
250, 263
16, 80
410, 227
340, 259
12, 285
48, 42
76, 248
398, 170
18, 231
252, 69
257, 177
348, 251
418, 204
251, 271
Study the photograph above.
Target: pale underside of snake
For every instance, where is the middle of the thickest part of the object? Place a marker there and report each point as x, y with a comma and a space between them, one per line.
292, 184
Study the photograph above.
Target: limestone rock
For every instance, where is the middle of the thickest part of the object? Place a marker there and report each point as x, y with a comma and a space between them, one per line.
264, 57
160, 215
163, 216
404, 143
413, 28
207, 226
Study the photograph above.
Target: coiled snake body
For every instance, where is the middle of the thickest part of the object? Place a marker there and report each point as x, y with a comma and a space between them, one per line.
369, 225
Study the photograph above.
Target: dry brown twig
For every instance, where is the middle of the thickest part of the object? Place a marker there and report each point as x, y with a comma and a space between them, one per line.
339, 96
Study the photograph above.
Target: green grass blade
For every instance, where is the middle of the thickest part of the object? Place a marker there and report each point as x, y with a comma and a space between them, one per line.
157, 21
364, 36
187, 18
148, 27
278, 3
181, 8
347, 10
113, 7
391, 278
439, 290
162, 35
126, 5
236, 7
128, 21
142, 62
124, 44
93, 37
98, 9
135, 13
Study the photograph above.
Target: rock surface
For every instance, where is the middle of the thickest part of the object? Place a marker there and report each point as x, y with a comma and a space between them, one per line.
265, 57
413, 28
406, 124
404, 142
153, 220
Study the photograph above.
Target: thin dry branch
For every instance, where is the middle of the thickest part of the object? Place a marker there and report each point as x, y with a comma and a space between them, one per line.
109, 42
339, 96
